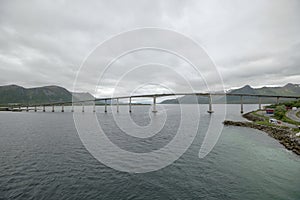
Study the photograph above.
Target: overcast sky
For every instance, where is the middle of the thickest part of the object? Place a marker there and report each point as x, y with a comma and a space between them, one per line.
251, 42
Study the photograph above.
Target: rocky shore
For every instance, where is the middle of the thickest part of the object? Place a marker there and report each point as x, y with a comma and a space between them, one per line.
285, 136
253, 118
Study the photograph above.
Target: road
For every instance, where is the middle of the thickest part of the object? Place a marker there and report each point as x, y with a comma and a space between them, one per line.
292, 115
282, 123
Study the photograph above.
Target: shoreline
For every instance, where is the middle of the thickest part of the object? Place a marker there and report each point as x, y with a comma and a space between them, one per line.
284, 135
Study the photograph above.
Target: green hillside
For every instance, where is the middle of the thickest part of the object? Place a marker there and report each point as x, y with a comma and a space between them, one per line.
14, 94
287, 90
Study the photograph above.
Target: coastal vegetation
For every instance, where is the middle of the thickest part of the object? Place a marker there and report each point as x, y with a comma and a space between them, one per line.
287, 134
281, 109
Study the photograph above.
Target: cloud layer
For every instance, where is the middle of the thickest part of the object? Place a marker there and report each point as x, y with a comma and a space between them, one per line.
253, 42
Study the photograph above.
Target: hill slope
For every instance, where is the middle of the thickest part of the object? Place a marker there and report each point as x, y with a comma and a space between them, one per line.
17, 94
287, 90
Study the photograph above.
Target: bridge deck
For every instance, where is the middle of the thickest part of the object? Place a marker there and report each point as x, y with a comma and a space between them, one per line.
154, 95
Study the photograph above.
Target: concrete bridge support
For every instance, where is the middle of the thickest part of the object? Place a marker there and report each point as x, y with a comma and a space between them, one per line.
242, 105
105, 106
154, 105
94, 108
259, 103
62, 108
35, 109
210, 110
44, 110
117, 105
53, 108
130, 104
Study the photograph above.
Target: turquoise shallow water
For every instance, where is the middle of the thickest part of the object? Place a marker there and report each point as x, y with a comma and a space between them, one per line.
42, 157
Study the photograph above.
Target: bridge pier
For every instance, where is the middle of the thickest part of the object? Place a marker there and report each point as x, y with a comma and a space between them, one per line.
118, 105
242, 105
210, 111
62, 108
259, 103
130, 104
105, 106
35, 109
154, 105
53, 108
44, 110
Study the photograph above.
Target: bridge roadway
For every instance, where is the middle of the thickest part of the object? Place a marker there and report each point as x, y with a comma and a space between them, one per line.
154, 96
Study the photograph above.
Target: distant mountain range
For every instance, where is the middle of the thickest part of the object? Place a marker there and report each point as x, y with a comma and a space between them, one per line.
14, 94
287, 90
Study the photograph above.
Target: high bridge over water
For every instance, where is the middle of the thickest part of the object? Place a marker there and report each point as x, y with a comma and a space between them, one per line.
153, 96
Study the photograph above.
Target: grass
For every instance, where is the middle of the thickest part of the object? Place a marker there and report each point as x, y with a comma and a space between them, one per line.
267, 123
296, 130
280, 115
288, 120
258, 115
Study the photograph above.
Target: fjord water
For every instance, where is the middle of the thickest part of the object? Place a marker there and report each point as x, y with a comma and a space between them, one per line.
42, 157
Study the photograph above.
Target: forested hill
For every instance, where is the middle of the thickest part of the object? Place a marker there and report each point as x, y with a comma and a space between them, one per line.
287, 90
13, 94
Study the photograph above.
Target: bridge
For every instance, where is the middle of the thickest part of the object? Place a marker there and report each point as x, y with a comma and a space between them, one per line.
154, 96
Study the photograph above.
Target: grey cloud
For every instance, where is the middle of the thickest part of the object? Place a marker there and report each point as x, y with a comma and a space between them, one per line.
45, 42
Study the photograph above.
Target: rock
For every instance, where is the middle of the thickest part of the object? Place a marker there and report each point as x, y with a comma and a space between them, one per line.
253, 117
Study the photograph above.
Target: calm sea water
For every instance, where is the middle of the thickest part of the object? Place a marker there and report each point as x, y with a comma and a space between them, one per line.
42, 157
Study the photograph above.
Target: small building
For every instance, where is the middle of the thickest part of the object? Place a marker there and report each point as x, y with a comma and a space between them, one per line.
269, 111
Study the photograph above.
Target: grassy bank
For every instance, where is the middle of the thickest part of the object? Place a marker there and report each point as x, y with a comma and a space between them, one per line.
259, 119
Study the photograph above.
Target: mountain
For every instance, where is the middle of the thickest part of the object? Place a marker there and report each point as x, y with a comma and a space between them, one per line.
84, 96
247, 89
287, 90
13, 94
187, 99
